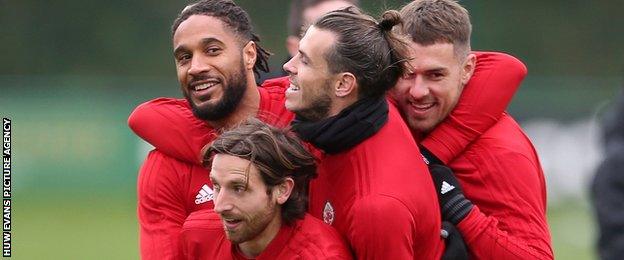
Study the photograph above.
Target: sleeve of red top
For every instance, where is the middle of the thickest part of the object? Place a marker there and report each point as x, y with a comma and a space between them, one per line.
496, 78
160, 207
169, 125
487, 241
373, 236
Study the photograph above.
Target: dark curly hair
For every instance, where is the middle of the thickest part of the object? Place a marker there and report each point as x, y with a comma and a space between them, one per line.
235, 17
277, 153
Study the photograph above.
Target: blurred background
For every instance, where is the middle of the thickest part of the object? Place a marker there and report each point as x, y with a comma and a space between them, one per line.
72, 71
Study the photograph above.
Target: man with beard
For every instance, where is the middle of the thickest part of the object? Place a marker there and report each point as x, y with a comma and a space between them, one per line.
260, 176
499, 172
216, 54
370, 187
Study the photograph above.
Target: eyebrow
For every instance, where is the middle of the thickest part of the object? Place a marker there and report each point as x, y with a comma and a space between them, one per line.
204, 41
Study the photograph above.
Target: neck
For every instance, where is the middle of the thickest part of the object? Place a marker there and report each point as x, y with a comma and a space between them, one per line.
248, 107
340, 104
255, 246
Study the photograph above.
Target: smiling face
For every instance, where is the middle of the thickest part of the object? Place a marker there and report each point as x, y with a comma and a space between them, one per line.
247, 208
310, 92
431, 90
209, 63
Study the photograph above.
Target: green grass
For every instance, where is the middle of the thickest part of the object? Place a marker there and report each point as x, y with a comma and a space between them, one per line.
79, 226
573, 231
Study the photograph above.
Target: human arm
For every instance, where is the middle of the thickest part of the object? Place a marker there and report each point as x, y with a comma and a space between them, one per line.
160, 206
496, 78
485, 237
169, 125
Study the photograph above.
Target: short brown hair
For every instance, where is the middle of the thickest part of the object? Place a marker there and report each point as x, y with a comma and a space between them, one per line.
277, 153
368, 49
438, 21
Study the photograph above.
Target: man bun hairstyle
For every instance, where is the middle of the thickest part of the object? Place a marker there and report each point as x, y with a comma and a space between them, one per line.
428, 22
277, 153
368, 49
235, 18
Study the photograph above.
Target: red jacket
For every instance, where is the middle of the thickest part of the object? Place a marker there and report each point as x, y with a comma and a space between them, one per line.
308, 238
380, 196
501, 174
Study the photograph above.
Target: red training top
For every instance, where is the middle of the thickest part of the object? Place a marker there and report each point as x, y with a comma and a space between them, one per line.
380, 196
308, 238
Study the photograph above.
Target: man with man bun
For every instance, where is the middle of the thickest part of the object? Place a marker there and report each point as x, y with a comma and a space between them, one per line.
370, 187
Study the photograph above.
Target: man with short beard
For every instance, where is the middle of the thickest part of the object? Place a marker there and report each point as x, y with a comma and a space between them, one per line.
216, 54
260, 176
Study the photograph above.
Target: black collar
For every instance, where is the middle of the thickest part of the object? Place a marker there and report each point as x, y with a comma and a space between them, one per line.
347, 129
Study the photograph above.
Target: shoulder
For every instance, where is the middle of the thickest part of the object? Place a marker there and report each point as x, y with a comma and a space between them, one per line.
273, 111
204, 219
314, 239
276, 84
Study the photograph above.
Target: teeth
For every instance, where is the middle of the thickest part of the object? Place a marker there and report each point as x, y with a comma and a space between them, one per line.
423, 106
294, 88
204, 86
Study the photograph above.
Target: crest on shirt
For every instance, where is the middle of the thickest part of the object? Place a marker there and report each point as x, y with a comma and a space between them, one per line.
328, 213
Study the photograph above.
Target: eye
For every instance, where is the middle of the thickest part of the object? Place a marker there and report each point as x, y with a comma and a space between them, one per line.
183, 58
436, 75
213, 50
239, 189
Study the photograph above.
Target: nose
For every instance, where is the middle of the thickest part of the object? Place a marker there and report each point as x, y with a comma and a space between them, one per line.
418, 89
290, 67
198, 66
222, 202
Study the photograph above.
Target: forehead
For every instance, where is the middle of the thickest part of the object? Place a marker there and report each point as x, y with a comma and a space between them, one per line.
316, 42
198, 27
437, 54
229, 168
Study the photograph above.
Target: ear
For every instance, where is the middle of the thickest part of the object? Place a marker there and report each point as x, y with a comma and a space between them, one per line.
345, 85
292, 45
468, 68
283, 190
249, 55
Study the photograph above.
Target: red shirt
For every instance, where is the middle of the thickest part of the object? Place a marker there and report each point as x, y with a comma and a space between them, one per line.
308, 238
168, 190
501, 174
380, 196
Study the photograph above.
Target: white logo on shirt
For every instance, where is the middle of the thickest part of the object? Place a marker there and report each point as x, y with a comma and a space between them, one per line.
204, 195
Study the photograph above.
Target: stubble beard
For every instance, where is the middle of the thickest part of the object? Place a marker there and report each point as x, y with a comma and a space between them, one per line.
254, 225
